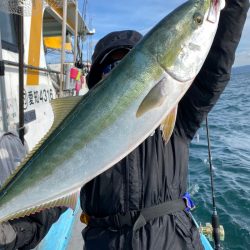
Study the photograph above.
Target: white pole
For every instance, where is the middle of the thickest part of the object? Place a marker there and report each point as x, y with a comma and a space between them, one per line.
3, 91
76, 31
63, 44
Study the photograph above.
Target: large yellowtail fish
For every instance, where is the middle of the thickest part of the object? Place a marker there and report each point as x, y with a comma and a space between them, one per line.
92, 133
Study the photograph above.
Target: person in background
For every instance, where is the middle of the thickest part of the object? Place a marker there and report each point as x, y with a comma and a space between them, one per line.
24, 233
152, 174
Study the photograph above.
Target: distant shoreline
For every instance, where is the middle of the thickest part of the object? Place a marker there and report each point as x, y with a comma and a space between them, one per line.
241, 69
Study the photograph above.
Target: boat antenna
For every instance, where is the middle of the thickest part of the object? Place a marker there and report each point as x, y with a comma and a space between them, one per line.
215, 216
82, 28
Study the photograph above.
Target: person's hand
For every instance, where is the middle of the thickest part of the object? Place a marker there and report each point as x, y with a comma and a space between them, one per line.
7, 236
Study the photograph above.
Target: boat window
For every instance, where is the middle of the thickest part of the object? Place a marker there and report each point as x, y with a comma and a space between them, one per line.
52, 35
8, 24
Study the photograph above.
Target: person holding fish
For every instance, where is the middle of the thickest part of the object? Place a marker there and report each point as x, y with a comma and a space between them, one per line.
141, 202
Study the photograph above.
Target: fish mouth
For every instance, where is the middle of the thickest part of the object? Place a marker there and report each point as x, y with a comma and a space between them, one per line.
214, 10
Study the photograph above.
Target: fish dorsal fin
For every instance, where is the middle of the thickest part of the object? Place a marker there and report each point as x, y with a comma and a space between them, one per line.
69, 201
61, 108
167, 125
154, 98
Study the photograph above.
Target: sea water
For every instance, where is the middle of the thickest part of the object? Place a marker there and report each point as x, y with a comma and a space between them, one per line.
229, 127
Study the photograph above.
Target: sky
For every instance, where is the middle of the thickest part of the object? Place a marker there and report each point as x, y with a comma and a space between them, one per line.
142, 15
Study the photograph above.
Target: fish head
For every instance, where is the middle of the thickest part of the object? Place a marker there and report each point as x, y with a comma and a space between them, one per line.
185, 37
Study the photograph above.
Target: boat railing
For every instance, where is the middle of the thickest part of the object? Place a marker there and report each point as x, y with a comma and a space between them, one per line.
6, 62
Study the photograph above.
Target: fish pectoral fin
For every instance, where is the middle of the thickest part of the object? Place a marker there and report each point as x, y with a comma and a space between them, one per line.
154, 98
68, 201
167, 125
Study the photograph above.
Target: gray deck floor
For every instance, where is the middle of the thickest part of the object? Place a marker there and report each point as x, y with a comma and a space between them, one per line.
76, 240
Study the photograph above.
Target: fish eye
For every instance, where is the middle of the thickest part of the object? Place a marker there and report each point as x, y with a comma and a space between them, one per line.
198, 18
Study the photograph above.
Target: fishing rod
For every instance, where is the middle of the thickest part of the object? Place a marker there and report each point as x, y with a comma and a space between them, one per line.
215, 216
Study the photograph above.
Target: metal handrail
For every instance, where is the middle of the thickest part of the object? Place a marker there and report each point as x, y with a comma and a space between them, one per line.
31, 67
